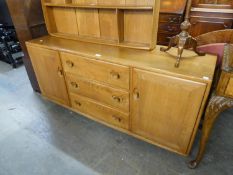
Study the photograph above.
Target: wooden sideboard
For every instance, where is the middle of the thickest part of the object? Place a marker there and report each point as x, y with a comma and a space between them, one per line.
137, 92
170, 17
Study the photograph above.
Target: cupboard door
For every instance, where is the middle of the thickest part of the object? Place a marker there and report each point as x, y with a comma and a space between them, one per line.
48, 69
165, 109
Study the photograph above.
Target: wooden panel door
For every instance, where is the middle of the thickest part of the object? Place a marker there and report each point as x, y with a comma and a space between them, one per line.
165, 109
48, 69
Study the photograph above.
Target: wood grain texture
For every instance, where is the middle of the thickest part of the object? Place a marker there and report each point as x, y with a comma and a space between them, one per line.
108, 24
100, 78
88, 22
99, 111
107, 95
65, 20
48, 69
165, 108
155, 60
137, 26
112, 74
99, 22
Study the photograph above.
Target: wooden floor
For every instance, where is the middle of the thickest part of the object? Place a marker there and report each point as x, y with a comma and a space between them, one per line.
38, 137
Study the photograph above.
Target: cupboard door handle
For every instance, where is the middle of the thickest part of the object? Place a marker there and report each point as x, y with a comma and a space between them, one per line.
136, 94
77, 103
115, 75
117, 118
117, 99
70, 63
74, 85
60, 72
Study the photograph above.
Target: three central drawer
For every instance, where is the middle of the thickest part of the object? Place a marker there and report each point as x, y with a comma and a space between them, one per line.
98, 88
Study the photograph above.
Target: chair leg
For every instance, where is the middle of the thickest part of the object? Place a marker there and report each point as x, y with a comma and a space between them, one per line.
216, 105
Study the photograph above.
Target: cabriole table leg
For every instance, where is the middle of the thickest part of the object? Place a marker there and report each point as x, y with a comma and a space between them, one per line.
216, 105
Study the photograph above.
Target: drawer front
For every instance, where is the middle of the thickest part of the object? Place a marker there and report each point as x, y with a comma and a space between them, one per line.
101, 112
113, 74
229, 89
169, 28
101, 93
175, 19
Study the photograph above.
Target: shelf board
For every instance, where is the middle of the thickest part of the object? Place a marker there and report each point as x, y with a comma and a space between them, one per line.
99, 6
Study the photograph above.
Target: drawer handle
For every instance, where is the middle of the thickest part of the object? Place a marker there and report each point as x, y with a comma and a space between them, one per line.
136, 94
77, 103
116, 118
60, 72
74, 85
115, 75
117, 99
70, 63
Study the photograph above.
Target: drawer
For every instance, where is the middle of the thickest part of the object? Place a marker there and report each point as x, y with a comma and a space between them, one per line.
112, 74
99, 111
169, 28
99, 92
163, 38
176, 19
229, 89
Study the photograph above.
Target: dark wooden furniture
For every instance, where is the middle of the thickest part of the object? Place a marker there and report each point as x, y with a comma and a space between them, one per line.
29, 23
222, 97
171, 16
207, 16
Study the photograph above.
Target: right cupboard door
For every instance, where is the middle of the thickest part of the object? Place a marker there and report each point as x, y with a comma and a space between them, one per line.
165, 109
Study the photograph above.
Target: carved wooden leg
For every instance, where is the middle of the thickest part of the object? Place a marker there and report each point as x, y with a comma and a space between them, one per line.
172, 42
216, 105
180, 51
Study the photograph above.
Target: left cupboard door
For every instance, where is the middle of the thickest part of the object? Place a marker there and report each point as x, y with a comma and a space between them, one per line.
49, 72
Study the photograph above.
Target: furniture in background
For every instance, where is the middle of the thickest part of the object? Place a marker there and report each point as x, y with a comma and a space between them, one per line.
222, 97
170, 18
207, 16
29, 23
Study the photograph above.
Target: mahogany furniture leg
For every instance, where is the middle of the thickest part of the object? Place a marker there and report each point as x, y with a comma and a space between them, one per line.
216, 105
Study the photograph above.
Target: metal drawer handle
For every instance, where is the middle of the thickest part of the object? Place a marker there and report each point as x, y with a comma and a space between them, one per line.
74, 85
77, 103
115, 75
70, 63
117, 99
116, 118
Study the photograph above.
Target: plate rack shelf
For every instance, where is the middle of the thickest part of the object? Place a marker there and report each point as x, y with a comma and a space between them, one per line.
124, 23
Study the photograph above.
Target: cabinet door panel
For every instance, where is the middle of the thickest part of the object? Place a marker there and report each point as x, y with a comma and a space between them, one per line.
165, 109
48, 69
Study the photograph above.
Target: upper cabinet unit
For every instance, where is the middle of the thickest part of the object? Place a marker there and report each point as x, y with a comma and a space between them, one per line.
124, 23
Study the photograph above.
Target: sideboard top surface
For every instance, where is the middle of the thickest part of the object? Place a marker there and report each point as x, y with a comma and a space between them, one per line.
192, 66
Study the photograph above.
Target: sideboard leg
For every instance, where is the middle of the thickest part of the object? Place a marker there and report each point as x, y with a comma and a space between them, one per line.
216, 105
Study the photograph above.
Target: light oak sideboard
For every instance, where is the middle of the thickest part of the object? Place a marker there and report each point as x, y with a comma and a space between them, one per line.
137, 92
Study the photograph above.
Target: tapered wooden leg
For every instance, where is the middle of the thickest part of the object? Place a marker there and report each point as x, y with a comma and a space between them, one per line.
216, 105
